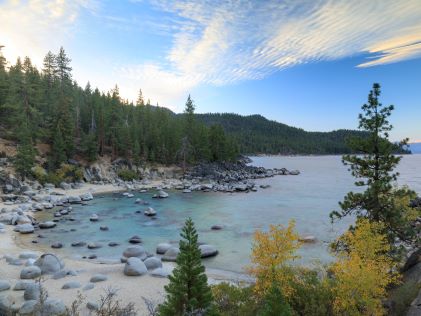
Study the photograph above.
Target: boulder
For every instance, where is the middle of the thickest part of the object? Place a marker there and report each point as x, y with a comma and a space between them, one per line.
4, 285
57, 245
89, 286
171, 254
21, 285
25, 228
98, 278
113, 244
104, 228
71, 285
47, 225
78, 244
30, 272
94, 245
153, 263
54, 307
74, 199
65, 186
150, 212
160, 273
162, 248
208, 251
134, 267
135, 239
49, 263
94, 218
216, 227
28, 255
28, 308
86, 196
135, 251
32, 292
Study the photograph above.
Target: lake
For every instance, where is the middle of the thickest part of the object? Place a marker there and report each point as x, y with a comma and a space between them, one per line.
307, 198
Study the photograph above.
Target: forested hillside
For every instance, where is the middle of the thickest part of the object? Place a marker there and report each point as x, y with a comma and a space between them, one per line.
256, 134
47, 107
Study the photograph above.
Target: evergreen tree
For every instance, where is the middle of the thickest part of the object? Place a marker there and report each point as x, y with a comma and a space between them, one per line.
188, 292
374, 170
58, 151
25, 155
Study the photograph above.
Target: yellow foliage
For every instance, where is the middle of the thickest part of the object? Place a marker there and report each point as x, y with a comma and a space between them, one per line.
270, 253
363, 271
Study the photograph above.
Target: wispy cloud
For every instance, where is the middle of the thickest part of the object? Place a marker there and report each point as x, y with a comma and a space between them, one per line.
31, 28
224, 42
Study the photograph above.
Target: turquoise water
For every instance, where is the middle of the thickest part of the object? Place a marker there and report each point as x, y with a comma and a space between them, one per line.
307, 198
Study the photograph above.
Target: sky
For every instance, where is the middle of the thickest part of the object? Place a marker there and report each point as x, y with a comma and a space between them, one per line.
304, 63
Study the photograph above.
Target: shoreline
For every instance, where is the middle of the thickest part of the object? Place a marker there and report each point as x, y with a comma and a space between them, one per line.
130, 289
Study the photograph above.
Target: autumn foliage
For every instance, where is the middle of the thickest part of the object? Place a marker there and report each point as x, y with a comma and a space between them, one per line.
363, 271
271, 253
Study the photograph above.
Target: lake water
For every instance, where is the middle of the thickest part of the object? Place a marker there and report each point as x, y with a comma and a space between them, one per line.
307, 198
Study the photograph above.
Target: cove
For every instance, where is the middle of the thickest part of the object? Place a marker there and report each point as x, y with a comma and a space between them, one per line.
307, 199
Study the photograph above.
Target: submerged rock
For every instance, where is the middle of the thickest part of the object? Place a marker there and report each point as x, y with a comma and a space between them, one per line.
47, 224
135, 239
150, 212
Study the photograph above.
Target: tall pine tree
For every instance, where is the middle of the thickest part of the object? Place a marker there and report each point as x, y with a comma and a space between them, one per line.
373, 168
188, 292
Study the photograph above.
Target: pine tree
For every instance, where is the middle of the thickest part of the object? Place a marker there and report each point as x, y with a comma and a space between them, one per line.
374, 170
58, 151
25, 155
188, 292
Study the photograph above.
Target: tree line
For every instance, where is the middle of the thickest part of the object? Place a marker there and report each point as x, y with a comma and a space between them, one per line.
48, 106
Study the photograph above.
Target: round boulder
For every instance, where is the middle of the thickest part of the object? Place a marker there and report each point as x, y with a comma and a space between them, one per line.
153, 263
135, 267
30, 272
162, 248
135, 251
171, 254
49, 263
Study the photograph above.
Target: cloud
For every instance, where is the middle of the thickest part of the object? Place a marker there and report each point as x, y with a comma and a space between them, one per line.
216, 42
31, 28
225, 42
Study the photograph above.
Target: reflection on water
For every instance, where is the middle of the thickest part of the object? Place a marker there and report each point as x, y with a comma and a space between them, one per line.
307, 198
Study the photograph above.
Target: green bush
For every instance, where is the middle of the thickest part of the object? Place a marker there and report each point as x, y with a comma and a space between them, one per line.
66, 173
312, 295
232, 300
127, 175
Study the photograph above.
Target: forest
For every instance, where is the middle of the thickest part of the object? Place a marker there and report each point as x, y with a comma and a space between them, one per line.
47, 106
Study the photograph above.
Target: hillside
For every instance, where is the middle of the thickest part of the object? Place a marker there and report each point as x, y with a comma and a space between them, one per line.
256, 134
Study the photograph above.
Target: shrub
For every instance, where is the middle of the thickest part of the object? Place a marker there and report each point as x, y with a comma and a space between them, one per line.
66, 172
312, 294
127, 175
232, 300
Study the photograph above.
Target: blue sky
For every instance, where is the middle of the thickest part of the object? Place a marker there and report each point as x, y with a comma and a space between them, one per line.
304, 63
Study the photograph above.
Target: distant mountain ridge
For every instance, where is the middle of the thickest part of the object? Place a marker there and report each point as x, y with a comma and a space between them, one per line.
256, 134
